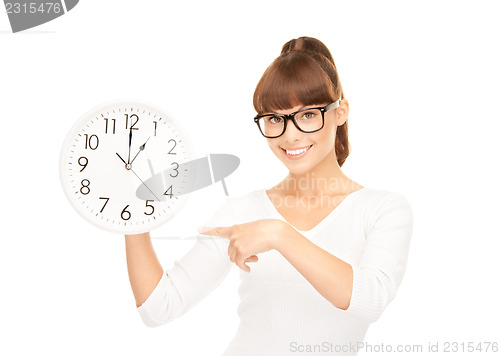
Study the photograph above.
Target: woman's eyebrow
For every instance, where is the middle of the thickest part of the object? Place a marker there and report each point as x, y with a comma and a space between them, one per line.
299, 109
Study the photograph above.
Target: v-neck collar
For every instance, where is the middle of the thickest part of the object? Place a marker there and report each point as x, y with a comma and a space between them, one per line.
270, 206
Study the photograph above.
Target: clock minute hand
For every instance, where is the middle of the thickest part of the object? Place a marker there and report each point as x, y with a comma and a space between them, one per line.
129, 145
141, 148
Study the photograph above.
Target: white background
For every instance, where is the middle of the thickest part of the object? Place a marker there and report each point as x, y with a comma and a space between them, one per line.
422, 79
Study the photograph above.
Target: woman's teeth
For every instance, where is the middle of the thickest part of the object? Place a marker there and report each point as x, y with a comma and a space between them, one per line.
297, 152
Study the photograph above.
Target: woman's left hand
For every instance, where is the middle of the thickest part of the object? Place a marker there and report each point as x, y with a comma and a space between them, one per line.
249, 239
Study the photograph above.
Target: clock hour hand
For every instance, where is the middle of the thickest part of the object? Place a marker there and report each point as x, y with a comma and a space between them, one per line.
121, 158
141, 148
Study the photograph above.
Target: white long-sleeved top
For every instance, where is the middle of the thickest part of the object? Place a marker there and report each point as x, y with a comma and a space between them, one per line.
280, 311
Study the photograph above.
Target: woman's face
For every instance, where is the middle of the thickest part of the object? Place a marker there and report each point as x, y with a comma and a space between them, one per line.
319, 144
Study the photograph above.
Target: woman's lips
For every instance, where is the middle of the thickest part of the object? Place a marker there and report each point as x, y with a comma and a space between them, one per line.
297, 156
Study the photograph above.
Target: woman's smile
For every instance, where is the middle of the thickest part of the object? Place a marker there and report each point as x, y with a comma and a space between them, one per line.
296, 153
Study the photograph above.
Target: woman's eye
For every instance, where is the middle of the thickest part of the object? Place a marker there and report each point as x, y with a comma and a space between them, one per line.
275, 119
307, 115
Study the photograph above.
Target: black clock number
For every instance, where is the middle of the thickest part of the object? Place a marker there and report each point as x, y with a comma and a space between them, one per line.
125, 213
84, 165
114, 125
167, 192
107, 199
132, 117
91, 142
149, 206
156, 123
175, 169
175, 144
85, 187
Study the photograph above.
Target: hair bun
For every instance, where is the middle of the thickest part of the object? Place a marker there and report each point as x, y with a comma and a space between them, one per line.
308, 44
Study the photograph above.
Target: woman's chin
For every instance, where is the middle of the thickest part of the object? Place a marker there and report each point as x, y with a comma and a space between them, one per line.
298, 168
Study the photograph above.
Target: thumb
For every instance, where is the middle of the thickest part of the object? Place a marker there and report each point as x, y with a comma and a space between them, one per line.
252, 258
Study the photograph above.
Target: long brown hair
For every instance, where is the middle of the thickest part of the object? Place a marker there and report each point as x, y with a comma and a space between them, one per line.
303, 74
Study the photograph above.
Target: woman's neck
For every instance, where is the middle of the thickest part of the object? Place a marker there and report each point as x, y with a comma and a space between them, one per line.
325, 179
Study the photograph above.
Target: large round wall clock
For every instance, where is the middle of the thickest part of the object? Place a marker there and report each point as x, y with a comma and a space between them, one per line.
110, 164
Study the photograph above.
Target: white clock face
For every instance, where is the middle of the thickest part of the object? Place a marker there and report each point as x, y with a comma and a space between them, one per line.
121, 167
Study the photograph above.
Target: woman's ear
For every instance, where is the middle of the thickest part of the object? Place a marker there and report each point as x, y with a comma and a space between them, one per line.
342, 113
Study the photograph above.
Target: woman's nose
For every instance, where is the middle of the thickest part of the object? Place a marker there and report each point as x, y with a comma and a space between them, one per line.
292, 133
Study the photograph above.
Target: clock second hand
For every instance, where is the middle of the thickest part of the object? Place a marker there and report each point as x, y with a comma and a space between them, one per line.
129, 167
145, 184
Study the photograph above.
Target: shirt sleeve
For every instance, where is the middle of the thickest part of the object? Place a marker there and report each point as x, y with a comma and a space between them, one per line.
380, 270
192, 277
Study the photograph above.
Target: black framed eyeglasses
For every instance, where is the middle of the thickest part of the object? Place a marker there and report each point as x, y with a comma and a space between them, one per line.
305, 120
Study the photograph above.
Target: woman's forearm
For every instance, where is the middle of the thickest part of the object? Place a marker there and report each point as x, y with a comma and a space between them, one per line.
144, 269
328, 274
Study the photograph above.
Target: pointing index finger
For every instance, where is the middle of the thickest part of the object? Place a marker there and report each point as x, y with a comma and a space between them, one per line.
221, 231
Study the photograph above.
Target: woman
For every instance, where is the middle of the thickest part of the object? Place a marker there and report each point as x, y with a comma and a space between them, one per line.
328, 253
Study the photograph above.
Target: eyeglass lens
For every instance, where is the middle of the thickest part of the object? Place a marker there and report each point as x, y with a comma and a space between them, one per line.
307, 120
